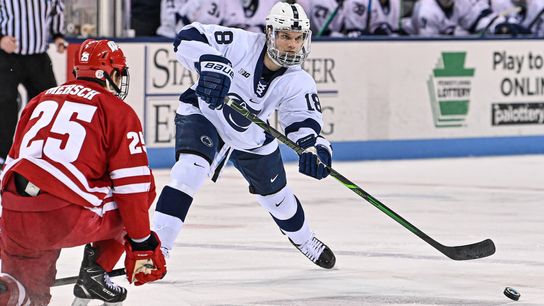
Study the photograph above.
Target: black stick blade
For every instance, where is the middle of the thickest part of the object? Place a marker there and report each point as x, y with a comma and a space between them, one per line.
470, 251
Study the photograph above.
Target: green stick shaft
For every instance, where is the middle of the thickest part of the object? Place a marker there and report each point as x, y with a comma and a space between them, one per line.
472, 251
330, 18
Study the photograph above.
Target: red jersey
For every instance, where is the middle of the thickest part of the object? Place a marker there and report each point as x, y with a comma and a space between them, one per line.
82, 144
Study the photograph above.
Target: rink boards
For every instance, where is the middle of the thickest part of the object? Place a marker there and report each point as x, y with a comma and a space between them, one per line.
381, 99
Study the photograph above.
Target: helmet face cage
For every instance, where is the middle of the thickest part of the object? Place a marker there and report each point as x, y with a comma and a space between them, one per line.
125, 81
291, 18
122, 90
285, 58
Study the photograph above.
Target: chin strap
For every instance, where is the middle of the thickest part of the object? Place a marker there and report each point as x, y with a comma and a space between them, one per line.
110, 82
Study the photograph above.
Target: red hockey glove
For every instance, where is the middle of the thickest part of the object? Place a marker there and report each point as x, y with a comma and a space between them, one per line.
144, 261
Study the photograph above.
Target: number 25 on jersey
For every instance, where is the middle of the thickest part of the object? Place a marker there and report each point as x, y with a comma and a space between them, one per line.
67, 146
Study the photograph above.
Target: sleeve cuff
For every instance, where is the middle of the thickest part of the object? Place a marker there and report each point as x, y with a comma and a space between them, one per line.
322, 141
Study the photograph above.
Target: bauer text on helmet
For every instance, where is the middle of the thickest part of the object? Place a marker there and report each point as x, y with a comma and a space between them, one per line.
288, 34
102, 61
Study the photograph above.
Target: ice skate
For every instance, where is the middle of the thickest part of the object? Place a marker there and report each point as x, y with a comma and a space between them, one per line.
95, 284
318, 252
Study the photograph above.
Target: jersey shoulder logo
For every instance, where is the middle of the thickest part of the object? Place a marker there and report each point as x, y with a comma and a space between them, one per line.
244, 73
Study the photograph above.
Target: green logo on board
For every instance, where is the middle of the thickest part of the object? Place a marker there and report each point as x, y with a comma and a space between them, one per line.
449, 89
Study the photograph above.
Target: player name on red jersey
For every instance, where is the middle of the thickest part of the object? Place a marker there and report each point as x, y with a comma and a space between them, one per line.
76, 90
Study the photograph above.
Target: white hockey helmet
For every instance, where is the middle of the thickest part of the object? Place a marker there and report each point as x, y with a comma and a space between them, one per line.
287, 18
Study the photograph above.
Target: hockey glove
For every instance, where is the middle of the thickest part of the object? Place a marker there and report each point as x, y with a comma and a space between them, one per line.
383, 29
313, 160
513, 29
144, 261
215, 77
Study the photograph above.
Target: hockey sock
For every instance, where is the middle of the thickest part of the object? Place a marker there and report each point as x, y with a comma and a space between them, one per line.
172, 208
187, 177
288, 214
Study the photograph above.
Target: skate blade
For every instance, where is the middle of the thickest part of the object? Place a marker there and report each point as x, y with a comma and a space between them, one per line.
84, 302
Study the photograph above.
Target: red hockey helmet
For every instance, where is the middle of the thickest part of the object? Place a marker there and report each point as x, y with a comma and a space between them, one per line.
99, 59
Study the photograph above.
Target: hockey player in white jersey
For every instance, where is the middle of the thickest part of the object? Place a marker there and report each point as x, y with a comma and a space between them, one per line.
384, 17
255, 12
262, 72
319, 11
459, 17
170, 19
224, 12
177, 13
505, 7
532, 16
527, 14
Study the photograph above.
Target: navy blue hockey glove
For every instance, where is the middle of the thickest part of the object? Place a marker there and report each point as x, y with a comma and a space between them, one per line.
308, 162
383, 29
513, 29
215, 77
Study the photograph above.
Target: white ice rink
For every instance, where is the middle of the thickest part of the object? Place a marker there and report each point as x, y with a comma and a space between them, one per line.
232, 253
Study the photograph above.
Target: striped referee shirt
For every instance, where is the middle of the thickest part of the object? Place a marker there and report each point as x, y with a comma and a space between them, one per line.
32, 22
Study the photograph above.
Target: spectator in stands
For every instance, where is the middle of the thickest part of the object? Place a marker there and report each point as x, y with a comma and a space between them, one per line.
145, 16
23, 56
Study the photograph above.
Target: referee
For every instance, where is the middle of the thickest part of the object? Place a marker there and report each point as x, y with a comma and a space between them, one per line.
25, 29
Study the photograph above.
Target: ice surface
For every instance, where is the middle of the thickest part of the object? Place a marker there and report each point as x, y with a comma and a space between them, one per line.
231, 252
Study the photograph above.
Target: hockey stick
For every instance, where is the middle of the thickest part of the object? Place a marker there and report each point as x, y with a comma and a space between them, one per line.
369, 15
73, 279
325, 26
463, 252
535, 20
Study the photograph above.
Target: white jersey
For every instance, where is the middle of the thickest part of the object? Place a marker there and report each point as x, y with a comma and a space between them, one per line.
223, 12
534, 18
388, 14
319, 11
170, 19
466, 17
255, 12
356, 15
503, 7
291, 91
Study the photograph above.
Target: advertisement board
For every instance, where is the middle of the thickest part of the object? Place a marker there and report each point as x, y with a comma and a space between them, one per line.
382, 98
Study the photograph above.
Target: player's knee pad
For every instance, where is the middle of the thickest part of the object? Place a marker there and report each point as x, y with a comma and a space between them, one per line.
15, 293
285, 209
189, 173
281, 205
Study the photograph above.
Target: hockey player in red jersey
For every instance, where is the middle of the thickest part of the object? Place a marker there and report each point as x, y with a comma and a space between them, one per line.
78, 173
